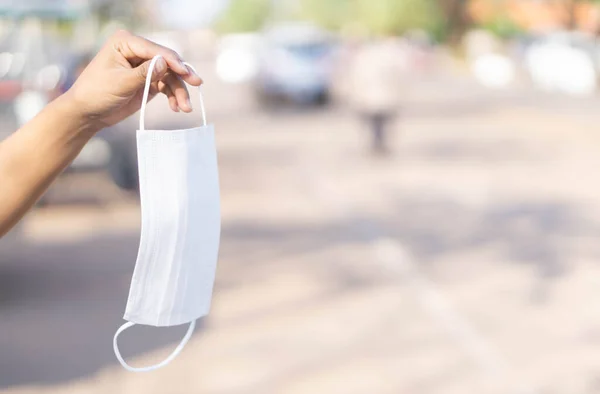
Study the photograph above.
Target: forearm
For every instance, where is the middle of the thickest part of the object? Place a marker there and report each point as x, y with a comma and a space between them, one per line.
36, 154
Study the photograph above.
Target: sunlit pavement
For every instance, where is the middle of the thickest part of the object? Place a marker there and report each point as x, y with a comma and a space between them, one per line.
464, 263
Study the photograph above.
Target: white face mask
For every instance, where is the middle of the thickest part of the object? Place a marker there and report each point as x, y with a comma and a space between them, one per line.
179, 190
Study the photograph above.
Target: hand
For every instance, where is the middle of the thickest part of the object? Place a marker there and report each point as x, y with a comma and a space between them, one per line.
111, 87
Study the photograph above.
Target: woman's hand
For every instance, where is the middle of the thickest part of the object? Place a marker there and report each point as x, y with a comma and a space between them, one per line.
108, 90
111, 87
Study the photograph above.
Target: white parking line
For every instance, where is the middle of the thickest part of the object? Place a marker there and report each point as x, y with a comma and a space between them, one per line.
392, 256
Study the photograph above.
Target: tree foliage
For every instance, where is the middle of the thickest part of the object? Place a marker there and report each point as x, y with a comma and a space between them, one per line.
244, 16
398, 16
374, 16
330, 14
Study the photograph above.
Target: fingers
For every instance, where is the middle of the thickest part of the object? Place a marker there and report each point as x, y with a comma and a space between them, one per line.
179, 92
154, 90
175, 90
159, 71
192, 78
166, 90
138, 49
168, 74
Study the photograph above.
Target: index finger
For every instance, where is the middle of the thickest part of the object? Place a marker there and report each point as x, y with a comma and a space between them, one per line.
133, 46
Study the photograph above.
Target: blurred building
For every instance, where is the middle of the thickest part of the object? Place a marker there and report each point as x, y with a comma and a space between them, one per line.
66, 9
45, 8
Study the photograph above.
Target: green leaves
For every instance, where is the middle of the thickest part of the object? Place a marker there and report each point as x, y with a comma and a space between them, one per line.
375, 16
244, 16
372, 16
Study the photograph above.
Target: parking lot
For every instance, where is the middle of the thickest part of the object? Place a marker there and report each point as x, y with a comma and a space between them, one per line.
464, 263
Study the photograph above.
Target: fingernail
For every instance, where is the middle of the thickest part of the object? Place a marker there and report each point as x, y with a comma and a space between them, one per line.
188, 103
161, 65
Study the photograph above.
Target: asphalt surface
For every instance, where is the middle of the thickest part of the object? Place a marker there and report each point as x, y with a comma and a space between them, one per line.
492, 195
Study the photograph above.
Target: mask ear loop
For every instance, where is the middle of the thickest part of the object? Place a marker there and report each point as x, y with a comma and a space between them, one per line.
166, 361
147, 93
199, 95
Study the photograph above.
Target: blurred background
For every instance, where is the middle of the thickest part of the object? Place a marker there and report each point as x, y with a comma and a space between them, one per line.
410, 199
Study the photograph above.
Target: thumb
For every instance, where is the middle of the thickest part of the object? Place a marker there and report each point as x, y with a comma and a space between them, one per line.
141, 71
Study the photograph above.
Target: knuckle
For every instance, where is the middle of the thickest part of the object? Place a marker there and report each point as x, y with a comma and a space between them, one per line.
142, 71
179, 87
171, 79
164, 88
168, 52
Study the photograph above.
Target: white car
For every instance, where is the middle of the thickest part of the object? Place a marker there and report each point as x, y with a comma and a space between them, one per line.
295, 63
564, 63
237, 57
494, 70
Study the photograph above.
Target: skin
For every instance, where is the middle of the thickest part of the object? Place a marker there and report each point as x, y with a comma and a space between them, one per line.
109, 90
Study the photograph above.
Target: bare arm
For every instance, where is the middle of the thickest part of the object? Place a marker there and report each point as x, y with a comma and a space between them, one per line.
32, 157
108, 91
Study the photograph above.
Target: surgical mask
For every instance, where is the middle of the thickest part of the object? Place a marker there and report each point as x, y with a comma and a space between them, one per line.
179, 191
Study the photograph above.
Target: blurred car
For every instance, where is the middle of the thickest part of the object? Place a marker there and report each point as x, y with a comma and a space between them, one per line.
295, 62
237, 58
11, 242
112, 149
565, 62
494, 70
34, 70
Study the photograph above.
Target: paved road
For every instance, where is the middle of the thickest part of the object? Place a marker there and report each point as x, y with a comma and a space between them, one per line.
464, 263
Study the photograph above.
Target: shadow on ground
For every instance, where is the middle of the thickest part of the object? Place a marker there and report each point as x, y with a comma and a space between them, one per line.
60, 304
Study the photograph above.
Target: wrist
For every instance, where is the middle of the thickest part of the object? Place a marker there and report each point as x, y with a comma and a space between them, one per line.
72, 110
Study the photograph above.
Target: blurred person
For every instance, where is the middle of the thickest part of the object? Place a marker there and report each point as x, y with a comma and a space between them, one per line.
422, 49
478, 42
377, 83
108, 90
